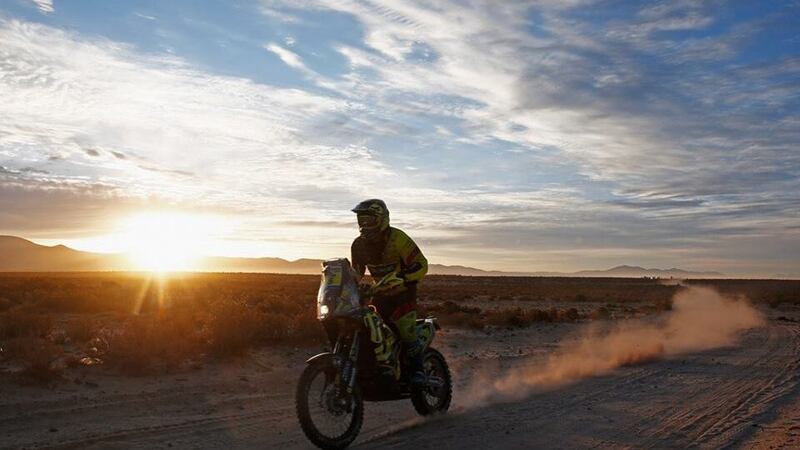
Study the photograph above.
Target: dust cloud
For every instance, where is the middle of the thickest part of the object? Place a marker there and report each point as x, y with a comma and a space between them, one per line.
700, 319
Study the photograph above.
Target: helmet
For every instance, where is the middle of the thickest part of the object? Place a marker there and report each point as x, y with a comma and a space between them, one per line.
373, 218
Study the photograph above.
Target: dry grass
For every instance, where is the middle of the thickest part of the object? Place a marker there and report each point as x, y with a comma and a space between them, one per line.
456, 315
17, 323
38, 357
143, 344
81, 329
140, 324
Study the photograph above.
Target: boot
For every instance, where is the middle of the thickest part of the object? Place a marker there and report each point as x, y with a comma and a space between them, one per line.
416, 366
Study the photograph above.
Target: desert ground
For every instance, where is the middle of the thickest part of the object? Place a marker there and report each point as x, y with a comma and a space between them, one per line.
537, 363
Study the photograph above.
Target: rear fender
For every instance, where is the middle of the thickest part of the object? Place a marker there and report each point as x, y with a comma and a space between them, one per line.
426, 330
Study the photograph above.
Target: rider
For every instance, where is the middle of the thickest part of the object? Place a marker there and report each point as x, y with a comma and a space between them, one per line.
394, 259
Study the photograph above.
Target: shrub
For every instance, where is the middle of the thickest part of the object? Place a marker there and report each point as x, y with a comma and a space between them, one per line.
131, 347
39, 358
234, 327
142, 343
663, 304
306, 328
40, 366
16, 323
81, 329
571, 314
449, 307
600, 313
463, 320
461, 316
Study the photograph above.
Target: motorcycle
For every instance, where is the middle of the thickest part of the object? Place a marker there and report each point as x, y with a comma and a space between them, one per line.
367, 362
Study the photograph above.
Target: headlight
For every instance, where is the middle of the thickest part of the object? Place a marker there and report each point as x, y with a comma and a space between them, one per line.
323, 310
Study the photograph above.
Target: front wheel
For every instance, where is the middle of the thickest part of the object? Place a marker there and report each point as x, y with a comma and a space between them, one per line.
435, 397
330, 418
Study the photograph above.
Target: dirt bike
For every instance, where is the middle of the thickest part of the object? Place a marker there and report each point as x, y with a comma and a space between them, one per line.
367, 363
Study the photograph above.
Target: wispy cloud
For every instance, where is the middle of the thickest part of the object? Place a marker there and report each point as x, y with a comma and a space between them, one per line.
540, 135
45, 6
291, 59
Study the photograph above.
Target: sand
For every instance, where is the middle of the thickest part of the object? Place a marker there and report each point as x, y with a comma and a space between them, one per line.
741, 394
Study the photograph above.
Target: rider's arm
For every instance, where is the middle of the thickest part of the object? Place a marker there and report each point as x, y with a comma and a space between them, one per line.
414, 262
357, 258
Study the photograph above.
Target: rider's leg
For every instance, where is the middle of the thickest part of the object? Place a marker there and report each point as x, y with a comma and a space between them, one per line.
405, 319
401, 309
407, 327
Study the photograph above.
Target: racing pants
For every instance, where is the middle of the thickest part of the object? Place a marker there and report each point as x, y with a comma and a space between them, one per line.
401, 310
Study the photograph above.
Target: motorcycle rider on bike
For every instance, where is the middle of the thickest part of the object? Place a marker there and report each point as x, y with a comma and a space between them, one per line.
395, 260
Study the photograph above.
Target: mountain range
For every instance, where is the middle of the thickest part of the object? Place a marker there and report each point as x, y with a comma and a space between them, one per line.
21, 255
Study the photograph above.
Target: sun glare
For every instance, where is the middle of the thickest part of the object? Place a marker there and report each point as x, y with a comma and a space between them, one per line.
167, 242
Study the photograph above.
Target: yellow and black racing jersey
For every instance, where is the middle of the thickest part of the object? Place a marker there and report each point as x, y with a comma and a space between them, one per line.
396, 252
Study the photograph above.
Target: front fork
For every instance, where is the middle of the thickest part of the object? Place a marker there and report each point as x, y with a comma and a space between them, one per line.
347, 365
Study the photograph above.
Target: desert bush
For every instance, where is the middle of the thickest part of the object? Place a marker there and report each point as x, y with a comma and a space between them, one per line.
623, 290
146, 342
189, 316
663, 305
449, 307
463, 320
513, 317
521, 317
81, 329
16, 323
600, 313
38, 356
40, 365
306, 328
571, 314
131, 347
462, 316
234, 327
453, 314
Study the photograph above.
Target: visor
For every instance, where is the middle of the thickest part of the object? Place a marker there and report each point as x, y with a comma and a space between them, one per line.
368, 221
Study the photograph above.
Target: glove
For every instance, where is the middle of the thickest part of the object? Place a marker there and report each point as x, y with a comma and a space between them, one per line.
389, 285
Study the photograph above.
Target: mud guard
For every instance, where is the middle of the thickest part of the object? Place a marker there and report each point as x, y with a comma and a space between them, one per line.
319, 356
426, 330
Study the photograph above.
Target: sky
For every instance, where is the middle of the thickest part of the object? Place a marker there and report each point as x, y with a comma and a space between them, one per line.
538, 135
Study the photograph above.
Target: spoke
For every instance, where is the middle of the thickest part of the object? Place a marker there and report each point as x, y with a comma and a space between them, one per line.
326, 414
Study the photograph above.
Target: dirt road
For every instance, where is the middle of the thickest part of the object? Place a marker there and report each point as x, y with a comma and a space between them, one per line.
742, 396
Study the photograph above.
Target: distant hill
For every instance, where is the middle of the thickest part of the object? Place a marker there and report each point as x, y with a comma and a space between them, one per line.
20, 255
635, 271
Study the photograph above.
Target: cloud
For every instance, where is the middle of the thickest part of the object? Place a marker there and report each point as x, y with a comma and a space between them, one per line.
169, 125
287, 56
649, 113
157, 108
496, 131
144, 16
45, 6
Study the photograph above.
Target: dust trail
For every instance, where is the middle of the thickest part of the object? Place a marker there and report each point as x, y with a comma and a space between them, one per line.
700, 319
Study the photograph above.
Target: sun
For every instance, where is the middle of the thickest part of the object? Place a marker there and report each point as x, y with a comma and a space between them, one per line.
166, 242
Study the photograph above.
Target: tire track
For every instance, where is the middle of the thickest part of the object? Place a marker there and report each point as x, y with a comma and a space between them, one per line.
708, 400
759, 402
157, 432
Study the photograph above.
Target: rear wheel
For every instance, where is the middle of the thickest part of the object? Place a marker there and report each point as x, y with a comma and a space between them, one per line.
435, 397
329, 417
